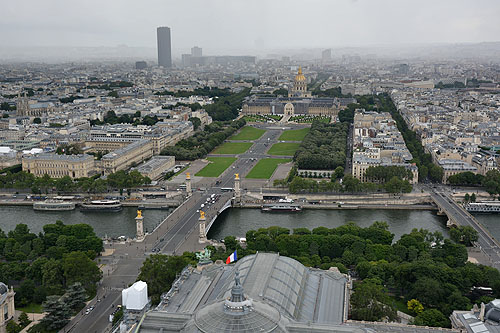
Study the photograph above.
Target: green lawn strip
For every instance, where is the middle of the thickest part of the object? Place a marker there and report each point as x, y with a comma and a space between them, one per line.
294, 135
400, 305
232, 148
265, 167
32, 308
248, 133
217, 167
284, 148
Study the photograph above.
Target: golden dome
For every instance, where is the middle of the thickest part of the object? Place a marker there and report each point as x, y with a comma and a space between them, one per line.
300, 76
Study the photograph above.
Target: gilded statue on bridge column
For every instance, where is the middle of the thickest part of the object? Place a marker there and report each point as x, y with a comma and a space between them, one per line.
202, 215
139, 214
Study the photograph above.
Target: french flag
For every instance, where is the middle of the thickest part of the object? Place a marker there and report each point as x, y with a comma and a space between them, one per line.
232, 257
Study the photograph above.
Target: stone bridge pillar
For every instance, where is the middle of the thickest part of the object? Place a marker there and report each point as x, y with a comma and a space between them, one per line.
188, 183
203, 234
237, 188
139, 226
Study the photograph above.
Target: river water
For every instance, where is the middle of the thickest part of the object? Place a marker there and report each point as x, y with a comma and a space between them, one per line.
237, 222
112, 224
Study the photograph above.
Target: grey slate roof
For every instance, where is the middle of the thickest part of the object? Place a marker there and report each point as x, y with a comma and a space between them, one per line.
282, 294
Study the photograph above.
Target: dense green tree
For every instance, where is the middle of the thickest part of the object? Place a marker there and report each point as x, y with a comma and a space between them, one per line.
396, 185
435, 172
25, 292
370, 302
196, 122
113, 93
57, 313
69, 99
24, 320
466, 178
338, 173
71, 149
13, 327
347, 115
230, 243
64, 184
323, 148
75, 297
78, 267
37, 261
466, 235
37, 121
52, 276
492, 182
428, 291
5, 106
159, 271
385, 173
432, 318
351, 184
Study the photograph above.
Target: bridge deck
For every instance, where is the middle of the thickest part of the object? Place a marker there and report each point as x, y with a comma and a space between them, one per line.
459, 216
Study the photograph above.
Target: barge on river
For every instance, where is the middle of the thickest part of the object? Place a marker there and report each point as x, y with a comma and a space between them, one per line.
54, 205
101, 206
483, 207
281, 207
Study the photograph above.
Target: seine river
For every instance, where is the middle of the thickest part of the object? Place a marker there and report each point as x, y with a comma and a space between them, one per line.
238, 221
112, 224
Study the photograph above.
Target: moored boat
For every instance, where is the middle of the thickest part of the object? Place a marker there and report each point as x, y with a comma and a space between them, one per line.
101, 205
54, 205
280, 207
483, 207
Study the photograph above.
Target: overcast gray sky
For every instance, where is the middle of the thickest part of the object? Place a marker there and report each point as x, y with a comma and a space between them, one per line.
247, 24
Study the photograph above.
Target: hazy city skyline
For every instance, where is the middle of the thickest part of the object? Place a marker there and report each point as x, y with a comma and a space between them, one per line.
247, 25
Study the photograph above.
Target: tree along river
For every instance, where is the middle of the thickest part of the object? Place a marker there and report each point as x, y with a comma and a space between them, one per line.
237, 222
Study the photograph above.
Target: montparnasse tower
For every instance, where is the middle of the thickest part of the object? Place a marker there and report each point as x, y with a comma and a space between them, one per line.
299, 88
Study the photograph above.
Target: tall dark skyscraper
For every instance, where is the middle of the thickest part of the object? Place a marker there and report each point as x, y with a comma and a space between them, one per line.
164, 47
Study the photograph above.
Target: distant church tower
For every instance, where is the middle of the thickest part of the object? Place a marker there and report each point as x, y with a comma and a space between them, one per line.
22, 105
299, 88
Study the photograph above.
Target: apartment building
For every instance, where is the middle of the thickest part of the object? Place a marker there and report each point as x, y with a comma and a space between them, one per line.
378, 142
452, 167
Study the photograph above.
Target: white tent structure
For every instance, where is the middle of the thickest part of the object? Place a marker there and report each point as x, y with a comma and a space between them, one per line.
136, 296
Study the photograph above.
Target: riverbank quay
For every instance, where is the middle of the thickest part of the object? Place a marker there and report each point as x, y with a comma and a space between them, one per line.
15, 203
342, 198
141, 204
361, 198
254, 205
